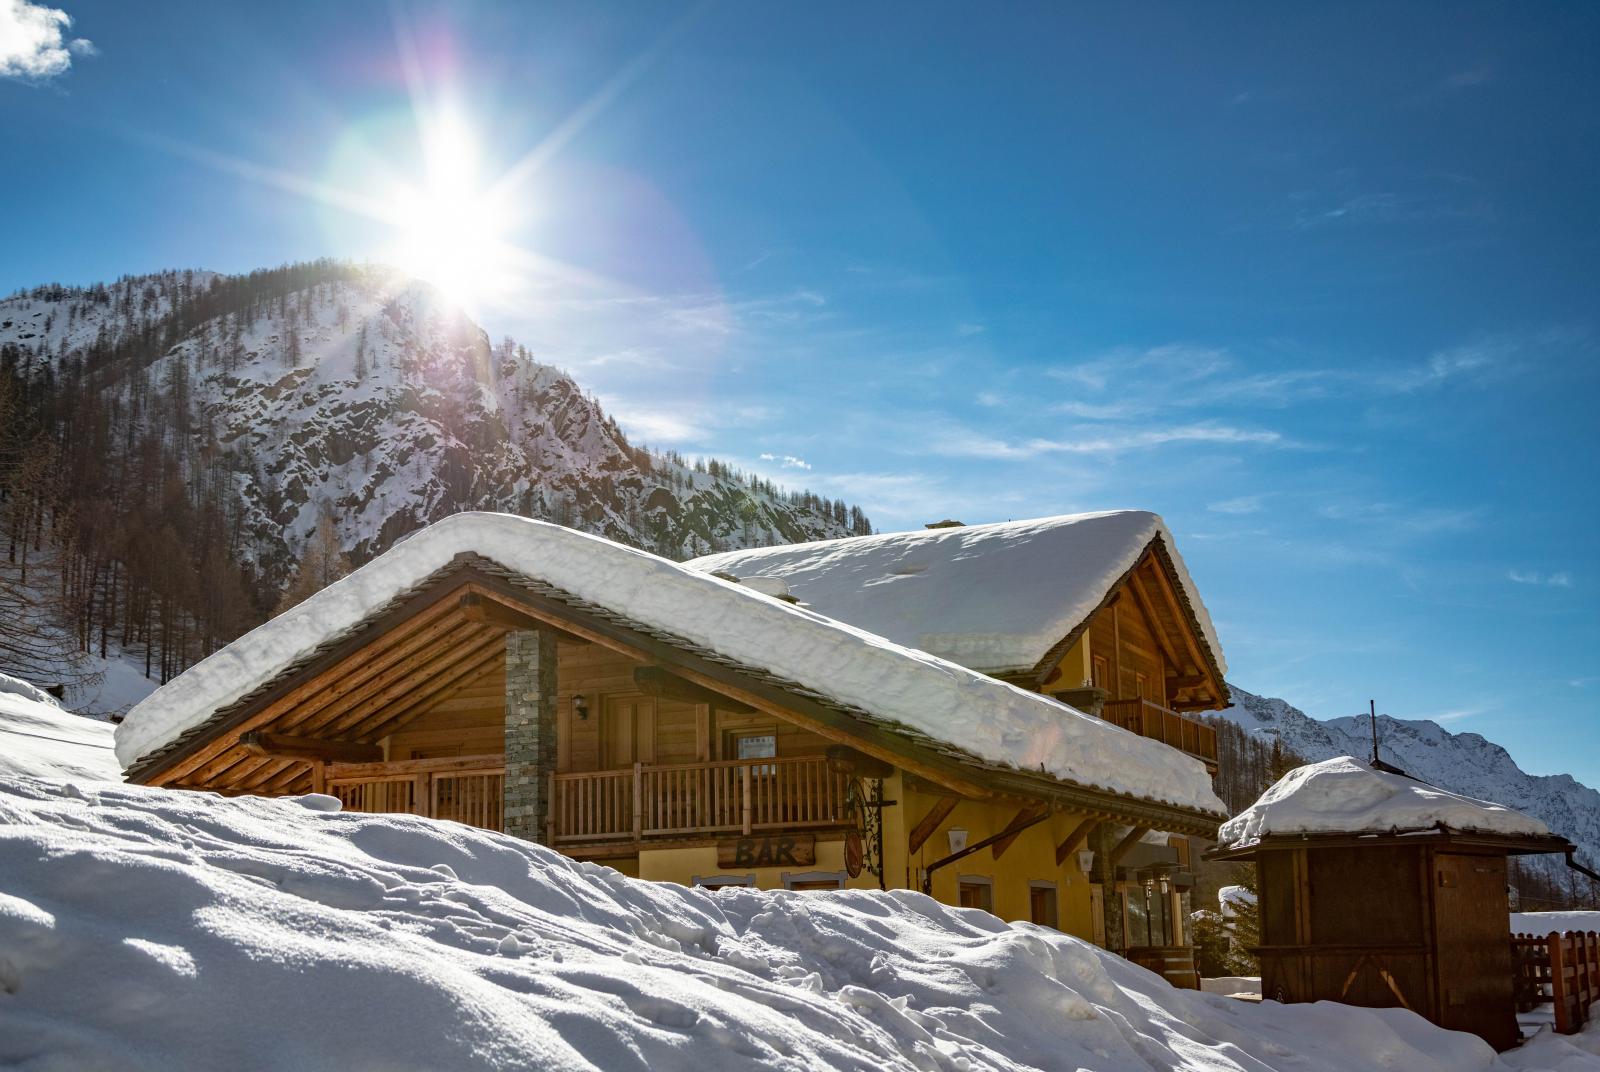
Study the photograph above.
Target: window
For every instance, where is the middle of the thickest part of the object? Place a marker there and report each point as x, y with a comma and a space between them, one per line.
1042, 904
1101, 672
814, 880
757, 746
975, 891
717, 882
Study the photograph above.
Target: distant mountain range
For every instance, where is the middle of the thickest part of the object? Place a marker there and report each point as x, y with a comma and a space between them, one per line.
1460, 762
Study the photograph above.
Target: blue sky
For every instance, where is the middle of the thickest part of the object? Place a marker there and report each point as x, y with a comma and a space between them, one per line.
1317, 283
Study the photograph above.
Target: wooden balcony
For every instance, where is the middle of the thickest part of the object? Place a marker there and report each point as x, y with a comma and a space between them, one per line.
467, 789
690, 799
1156, 722
629, 805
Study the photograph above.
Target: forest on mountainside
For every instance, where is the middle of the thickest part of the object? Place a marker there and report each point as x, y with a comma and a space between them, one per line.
127, 527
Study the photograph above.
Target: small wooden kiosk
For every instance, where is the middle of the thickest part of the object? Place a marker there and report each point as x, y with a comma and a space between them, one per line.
1380, 890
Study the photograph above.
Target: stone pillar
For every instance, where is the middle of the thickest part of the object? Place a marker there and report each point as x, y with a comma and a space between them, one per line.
530, 732
1088, 699
1104, 841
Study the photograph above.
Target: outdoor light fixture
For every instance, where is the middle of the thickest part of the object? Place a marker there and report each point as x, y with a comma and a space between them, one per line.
958, 838
580, 706
1086, 860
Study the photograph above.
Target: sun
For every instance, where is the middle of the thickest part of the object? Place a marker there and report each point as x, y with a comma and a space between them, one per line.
452, 228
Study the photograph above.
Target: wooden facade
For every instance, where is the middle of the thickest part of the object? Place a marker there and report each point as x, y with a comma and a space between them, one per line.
1416, 921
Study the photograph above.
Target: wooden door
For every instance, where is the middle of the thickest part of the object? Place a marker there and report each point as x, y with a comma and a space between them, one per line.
1474, 960
627, 731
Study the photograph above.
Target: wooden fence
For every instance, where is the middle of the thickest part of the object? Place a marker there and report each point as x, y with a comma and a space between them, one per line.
467, 789
1158, 723
1562, 970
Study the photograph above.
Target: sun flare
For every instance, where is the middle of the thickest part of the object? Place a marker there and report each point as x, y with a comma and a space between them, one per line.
452, 229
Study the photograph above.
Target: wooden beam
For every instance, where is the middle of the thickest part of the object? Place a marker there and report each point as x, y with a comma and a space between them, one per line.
326, 680
665, 685
288, 746
1024, 818
1200, 662
1156, 628
1123, 846
1079, 835
932, 821
1185, 681
475, 608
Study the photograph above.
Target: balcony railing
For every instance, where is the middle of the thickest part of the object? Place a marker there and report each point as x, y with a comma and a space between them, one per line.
467, 789
1156, 722
727, 796
682, 799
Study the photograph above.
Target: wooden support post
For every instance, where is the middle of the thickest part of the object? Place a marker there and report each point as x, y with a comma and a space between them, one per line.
319, 776
1020, 822
931, 822
638, 801
421, 786
1079, 835
744, 780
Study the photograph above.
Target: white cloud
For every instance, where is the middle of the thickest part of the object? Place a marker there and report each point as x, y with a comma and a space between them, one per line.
969, 329
788, 461
1244, 504
964, 443
33, 41
1558, 579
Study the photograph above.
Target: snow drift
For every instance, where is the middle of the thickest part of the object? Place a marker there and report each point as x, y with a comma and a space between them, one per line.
38, 738
164, 929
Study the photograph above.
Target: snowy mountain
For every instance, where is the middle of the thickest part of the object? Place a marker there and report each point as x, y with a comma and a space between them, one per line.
1460, 762
350, 390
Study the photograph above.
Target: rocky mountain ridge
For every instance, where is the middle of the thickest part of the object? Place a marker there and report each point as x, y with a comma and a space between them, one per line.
1460, 762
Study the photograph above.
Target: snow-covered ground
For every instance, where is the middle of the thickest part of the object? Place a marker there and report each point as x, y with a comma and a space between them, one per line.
162, 929
38, 738
1542, 923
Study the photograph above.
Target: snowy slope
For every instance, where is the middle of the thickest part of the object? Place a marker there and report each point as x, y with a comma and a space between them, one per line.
38, 738
898, 685
428, 420
162, 929
994, 597
1463, 763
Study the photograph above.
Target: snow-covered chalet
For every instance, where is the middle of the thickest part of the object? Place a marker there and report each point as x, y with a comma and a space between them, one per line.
996, 714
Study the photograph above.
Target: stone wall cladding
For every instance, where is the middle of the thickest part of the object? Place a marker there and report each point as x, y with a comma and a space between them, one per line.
530, 732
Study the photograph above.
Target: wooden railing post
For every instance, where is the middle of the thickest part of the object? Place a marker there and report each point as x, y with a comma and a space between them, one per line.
1558, 982
638, 800
744, 782
421, 794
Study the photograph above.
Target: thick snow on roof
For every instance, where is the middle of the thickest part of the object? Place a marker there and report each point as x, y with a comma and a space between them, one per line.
151, 929
987, 718
39, 739
993, 597
1345, 796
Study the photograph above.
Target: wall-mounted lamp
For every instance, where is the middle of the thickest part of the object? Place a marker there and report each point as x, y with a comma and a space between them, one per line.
580, 706
958, 838
1086, 860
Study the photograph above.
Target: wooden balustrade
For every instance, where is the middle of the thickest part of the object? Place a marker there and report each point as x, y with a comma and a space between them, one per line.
726, 796
1158, 723
466, 789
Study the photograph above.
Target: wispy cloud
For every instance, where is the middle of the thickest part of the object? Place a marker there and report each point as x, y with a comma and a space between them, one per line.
788, 461
969, 329
1558, 579
33, 41
1243, 504
965, 443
